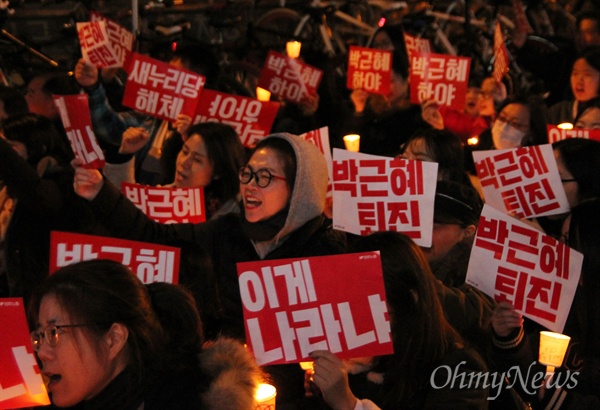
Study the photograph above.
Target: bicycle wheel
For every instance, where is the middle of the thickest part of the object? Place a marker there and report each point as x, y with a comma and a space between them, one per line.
275, 28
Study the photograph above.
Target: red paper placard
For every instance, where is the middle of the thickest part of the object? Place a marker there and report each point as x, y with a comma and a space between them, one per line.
252, 119
75, 115
440, 77
167, 205
21, 382
369, 69
150, 262
161, 90
289, 79
295, 306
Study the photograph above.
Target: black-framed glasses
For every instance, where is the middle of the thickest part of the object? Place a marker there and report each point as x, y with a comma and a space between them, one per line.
49, 334
262, 177
568, 180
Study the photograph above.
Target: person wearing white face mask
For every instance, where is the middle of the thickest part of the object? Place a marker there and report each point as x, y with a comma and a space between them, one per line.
520, 122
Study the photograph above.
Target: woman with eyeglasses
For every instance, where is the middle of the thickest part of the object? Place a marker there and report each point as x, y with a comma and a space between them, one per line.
283, 188
104, 340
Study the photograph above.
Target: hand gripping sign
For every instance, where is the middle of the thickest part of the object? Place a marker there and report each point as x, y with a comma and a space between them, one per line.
75, 116
251, 119
512, 261
161, 90
150, 262
167, 205
21, 383
295, 306
369, 69
439, 77
522, 181
373, 193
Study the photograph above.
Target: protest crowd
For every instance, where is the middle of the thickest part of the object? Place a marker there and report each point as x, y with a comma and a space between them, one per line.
420, 234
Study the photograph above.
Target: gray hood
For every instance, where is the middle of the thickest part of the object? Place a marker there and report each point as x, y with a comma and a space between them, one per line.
309, 191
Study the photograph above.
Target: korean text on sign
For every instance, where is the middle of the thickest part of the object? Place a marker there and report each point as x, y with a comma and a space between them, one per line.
121, 39
522, 181
320, 138
251, 119
294, 306
369, 69
439, 77
416, 45
96, 47
500, 54
289, 79
558, 134
167, 205
150, 262
512, 261
161, 90
372, 193
74, 113
21, 383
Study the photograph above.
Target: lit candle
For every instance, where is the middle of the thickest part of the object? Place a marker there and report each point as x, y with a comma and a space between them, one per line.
352, 142
565, 126
307, 365
473, 141
265, 397
262, 94
293, 49
553, 347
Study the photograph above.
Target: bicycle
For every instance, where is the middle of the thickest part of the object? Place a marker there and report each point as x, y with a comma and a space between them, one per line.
325, 27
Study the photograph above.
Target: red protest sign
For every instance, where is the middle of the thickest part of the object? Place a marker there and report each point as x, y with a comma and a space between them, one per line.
295, 306
95, 44
75, 115
369, 69
252, 119
167, 205
522, 181
439, 77
121, 39
289, 78
513, 261
161, 90
500, 54
21, 383
557, 134
150, 262
416, 45
372, 193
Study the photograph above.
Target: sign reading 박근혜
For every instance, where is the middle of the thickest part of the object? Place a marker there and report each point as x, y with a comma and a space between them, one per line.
295, 306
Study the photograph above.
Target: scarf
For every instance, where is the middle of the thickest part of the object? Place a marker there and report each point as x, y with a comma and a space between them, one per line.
124, 392
264, 230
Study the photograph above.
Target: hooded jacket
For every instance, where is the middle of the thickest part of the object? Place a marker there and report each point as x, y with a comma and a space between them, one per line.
306, 232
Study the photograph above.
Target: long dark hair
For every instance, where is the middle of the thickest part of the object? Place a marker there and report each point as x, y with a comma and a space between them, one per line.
100, 293
584, 236
447, 150
421, 335
538, 131
582, 158
227, 155
37, 133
